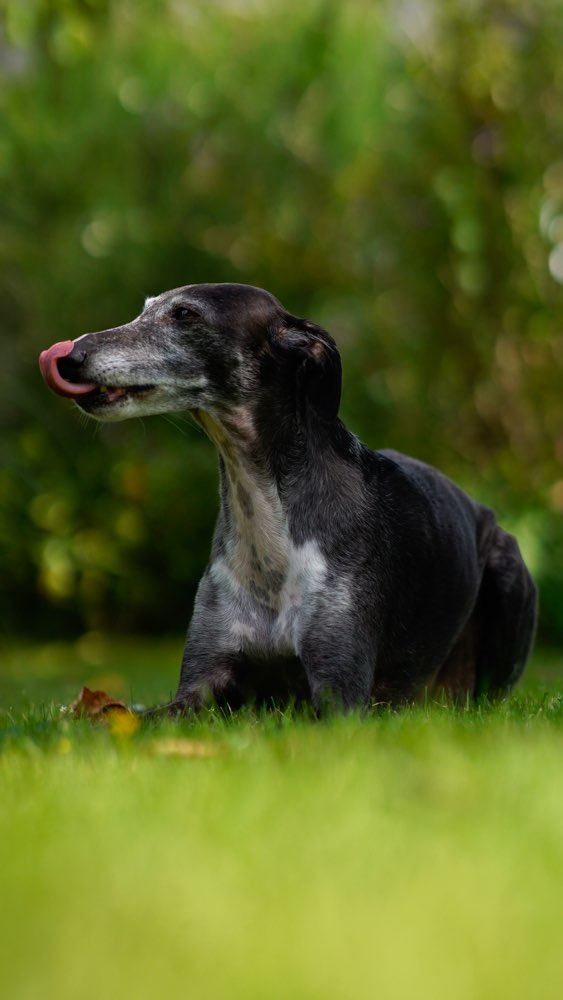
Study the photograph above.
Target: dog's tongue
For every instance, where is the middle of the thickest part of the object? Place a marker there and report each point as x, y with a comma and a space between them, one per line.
50, 372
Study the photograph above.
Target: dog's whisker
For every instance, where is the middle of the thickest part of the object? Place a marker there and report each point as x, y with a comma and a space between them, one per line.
173, 423
193, 424
189, 421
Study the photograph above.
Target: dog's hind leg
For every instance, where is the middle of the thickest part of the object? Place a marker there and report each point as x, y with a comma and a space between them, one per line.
456, 680
507, 610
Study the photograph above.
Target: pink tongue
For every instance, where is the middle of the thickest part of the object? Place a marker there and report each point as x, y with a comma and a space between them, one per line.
50, 372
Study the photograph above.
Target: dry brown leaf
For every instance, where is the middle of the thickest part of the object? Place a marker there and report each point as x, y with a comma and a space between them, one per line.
95, 704
180, 747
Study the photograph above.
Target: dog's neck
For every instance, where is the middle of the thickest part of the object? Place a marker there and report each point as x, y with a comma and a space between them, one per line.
254, 529
276, 481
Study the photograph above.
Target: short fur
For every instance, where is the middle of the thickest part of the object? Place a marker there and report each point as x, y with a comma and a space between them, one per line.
337, 573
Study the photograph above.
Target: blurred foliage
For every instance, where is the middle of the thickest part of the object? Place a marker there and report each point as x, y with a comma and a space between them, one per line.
392, 170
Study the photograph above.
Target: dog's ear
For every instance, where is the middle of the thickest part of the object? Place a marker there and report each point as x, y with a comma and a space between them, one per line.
318, 370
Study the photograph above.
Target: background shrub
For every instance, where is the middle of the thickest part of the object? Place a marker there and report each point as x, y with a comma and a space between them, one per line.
392, 170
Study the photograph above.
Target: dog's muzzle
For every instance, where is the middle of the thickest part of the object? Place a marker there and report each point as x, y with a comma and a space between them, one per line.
48, 363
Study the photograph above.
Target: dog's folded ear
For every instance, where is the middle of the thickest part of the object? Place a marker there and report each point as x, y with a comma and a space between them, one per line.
318, 370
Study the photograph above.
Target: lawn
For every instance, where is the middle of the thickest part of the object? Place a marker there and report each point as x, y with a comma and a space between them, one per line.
417, 854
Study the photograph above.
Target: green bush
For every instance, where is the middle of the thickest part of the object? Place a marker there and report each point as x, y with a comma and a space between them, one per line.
394, 171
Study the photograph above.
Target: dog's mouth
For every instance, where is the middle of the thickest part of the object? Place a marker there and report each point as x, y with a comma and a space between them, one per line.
86, 394
107, 395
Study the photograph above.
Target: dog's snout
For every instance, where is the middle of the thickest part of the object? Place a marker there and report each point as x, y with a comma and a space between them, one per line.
59, 364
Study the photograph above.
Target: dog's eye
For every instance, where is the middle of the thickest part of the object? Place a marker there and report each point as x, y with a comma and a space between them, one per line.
183, 314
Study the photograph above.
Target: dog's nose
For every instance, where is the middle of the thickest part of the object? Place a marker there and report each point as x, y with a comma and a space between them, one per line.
68, 364
50, 362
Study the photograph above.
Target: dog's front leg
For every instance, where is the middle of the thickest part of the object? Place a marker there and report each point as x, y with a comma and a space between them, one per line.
207, 678
208, 673
339, 670
204, 681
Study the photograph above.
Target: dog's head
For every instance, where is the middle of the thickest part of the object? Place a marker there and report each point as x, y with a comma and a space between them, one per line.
202, 347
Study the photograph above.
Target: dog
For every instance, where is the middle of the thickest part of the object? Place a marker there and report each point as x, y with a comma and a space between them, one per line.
338, 575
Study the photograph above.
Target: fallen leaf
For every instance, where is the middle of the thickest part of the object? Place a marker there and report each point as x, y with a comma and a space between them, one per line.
180, 747
95, 704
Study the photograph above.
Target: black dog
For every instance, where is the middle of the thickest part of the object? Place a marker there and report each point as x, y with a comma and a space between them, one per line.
337, 573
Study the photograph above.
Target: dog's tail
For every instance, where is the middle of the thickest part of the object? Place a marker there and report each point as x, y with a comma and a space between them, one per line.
507, 612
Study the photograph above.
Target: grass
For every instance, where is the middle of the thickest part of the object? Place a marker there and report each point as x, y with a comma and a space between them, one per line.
417, 854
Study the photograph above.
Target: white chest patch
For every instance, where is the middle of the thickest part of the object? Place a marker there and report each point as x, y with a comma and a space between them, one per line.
268, 613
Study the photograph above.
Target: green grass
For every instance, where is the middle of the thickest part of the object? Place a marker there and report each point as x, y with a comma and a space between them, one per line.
417, 854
